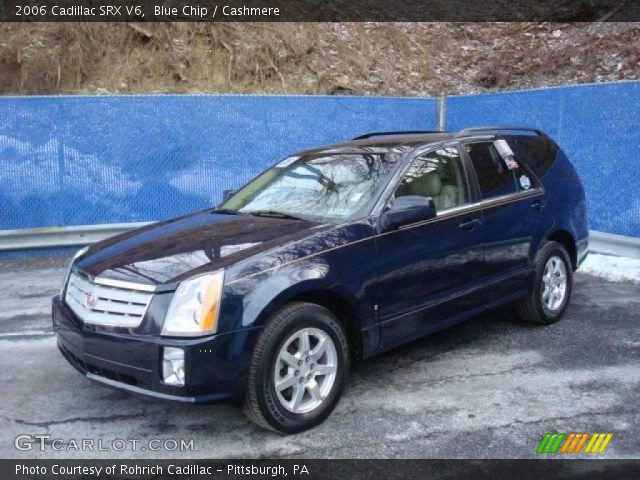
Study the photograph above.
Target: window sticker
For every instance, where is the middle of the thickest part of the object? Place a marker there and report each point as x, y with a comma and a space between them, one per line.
339, 211
286, 162
512, 164
525, 182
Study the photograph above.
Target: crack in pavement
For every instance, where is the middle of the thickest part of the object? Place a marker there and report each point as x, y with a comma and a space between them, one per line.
47, 424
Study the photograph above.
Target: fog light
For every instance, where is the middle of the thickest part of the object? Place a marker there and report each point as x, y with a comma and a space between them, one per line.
173, 366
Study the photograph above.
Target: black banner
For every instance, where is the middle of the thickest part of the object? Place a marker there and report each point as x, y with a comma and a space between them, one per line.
319, 469
318, 10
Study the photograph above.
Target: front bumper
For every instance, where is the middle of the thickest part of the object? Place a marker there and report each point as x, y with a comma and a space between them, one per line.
216, 366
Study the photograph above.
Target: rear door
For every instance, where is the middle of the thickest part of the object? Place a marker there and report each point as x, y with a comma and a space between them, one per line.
513, 203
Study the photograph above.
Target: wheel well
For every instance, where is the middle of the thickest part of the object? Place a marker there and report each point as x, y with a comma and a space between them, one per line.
343, 311
563, 237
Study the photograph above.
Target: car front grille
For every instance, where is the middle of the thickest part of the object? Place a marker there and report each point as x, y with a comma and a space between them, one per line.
106, 305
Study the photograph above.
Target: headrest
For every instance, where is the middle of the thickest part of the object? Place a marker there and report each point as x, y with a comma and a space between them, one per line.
429, 184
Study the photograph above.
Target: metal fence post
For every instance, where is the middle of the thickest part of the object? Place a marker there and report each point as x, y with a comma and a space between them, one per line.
441, 119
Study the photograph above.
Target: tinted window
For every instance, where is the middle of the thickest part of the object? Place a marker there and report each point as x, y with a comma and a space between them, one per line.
438, 175
540, 154
493, 177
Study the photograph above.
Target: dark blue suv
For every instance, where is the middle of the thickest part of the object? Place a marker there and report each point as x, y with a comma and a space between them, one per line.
334, 254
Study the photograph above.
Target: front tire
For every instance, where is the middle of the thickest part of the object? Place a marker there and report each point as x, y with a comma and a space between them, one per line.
298, 369
553, 282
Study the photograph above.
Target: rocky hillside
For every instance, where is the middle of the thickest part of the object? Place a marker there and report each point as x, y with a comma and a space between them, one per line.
329, 58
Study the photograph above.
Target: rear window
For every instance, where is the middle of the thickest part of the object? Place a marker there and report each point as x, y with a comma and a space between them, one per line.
539, 154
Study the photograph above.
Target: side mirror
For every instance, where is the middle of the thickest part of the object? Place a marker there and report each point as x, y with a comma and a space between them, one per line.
409, 209
227, 194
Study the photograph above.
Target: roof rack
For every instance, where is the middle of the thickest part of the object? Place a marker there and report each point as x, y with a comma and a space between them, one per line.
469, 131
404, 132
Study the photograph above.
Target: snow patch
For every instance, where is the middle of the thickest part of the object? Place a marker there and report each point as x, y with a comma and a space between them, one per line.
615, 269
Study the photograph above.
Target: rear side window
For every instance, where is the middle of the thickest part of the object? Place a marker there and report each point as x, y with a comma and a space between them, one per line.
539, 153
494, 178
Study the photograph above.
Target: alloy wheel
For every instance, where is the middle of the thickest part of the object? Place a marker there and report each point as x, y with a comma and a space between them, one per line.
305, 370
554, 283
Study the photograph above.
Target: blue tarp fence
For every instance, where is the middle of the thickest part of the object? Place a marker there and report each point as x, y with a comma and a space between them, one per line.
82, 160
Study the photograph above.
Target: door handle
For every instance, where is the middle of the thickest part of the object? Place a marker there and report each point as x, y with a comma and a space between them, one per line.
539, 204
469, 224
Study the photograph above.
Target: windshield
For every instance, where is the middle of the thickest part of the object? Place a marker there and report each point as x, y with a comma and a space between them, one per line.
326, 186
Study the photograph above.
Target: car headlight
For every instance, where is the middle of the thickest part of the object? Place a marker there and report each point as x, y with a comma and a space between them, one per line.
77, 255
195, 305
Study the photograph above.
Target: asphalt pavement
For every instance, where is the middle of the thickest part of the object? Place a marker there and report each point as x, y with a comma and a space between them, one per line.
488, 388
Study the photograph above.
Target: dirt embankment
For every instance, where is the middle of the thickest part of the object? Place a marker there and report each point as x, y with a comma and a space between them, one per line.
351, 58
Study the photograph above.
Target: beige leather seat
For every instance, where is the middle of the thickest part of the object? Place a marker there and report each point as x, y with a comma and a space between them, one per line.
430, 185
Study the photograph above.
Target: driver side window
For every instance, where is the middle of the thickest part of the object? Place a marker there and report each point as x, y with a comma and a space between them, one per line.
438, 175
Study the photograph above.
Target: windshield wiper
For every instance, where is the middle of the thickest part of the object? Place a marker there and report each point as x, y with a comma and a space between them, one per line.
275, 214
225, 211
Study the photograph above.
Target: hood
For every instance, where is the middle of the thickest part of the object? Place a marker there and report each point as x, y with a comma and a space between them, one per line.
172, 250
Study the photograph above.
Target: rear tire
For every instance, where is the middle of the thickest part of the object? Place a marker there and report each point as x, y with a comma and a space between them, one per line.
553, 282
298, 369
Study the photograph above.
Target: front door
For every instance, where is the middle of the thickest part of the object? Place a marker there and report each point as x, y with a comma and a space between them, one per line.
428, 270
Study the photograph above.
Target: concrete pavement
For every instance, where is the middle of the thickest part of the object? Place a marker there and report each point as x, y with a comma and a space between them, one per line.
489, 388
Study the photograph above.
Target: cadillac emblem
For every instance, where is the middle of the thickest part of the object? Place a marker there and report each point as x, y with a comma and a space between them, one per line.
90, 301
